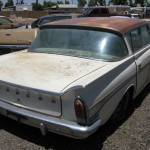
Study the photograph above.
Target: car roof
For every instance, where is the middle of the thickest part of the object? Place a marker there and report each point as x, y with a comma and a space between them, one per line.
121, 25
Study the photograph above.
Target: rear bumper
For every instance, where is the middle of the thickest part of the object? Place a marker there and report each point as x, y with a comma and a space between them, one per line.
47, 123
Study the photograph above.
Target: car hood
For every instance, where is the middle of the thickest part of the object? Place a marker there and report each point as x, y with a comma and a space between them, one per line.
48, 72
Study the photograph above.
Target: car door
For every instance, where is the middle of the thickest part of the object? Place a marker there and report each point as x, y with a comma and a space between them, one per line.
146, 41
140, 42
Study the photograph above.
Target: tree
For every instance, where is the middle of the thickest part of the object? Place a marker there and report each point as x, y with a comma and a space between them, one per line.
48, 4
102, 2
148, 4
1, 3
67, 2
91, 3
142, 2
59, 2
37, 6
81, 3
145, 2
131, 3
21, 2
119, 2
9, 3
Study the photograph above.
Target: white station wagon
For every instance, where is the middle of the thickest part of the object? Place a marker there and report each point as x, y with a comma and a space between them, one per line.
77, 74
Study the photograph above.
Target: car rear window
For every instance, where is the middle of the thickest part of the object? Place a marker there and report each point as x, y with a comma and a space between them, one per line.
80, 43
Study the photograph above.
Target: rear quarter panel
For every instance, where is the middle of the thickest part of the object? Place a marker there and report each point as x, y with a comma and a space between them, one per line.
101, 90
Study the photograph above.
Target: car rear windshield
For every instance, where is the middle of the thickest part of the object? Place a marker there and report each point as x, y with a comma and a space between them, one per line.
80, 43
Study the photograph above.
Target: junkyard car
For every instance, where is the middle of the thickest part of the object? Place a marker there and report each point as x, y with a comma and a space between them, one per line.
5, 23
23, 36
77, 74
15, 39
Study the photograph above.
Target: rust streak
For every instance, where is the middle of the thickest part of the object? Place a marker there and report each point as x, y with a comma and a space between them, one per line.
120, 24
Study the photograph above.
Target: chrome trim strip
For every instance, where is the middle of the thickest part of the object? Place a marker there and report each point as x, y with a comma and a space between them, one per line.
15, 46
77, 26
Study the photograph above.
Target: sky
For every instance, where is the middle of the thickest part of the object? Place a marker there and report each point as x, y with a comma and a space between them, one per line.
41, 1
26, 1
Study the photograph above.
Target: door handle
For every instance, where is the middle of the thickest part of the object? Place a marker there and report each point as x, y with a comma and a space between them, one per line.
7, 34
140, 66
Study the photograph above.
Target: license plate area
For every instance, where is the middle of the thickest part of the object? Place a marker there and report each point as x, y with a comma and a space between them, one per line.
31, 100
15, 116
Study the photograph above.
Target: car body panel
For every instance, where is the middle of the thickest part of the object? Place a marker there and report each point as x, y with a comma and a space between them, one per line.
142, 59
17, 36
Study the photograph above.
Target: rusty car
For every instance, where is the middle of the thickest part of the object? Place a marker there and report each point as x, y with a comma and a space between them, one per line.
77, 75
5, 23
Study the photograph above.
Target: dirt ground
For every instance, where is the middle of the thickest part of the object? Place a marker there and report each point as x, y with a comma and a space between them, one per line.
133, 133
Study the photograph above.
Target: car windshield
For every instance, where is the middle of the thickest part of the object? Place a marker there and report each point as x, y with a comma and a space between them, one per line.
80, 43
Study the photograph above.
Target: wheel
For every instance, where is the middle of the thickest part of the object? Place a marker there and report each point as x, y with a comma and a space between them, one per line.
120, 112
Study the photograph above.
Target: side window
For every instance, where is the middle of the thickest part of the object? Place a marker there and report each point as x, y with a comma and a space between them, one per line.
46, 20
145, 35
136, 39
62, 17
104, 11
95, 11
5, 21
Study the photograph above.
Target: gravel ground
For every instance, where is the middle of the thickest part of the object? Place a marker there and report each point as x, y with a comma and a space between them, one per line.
133, 133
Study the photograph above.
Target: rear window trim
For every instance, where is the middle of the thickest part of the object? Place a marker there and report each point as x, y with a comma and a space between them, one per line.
84, 27
93, 28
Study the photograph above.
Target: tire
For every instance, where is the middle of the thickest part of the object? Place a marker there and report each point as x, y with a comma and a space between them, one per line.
121, 110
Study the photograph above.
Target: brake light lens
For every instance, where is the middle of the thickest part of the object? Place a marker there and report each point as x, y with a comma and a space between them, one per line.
80, 111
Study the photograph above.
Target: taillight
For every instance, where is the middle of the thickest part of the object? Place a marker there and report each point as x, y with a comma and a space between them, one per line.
80, 111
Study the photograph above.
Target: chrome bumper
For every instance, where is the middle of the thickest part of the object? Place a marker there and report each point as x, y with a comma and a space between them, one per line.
15, 46
48, 123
